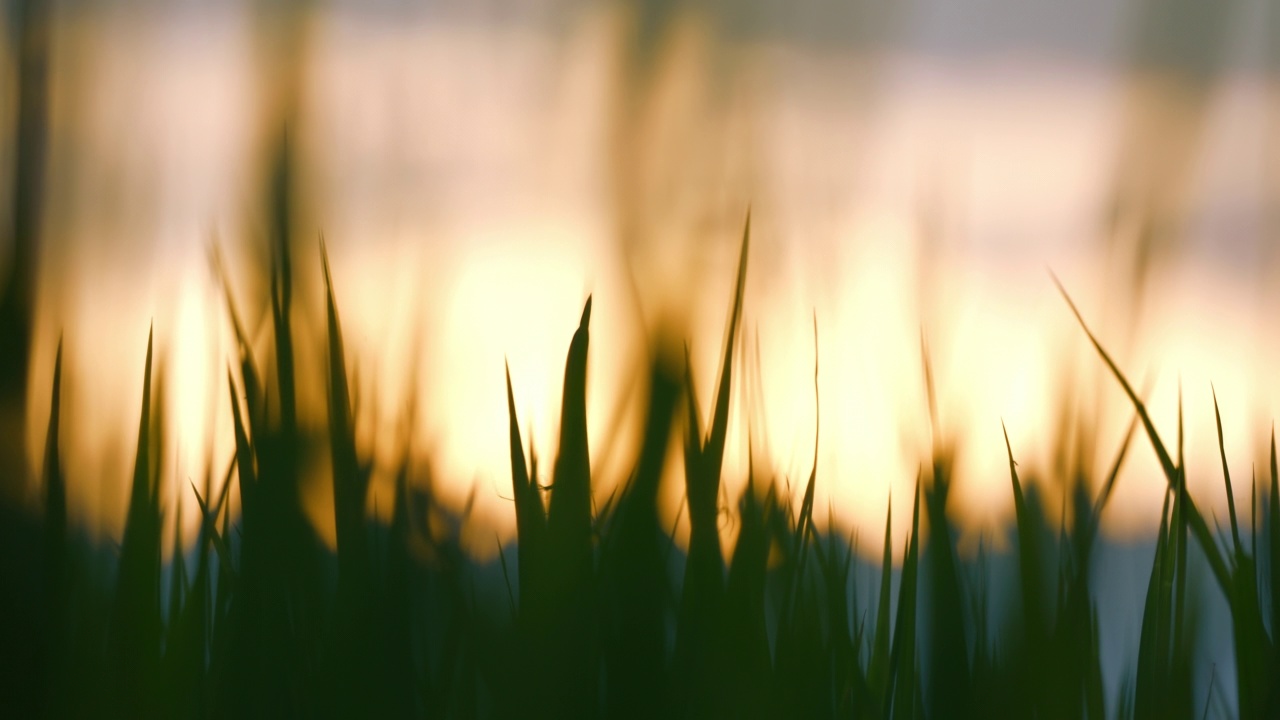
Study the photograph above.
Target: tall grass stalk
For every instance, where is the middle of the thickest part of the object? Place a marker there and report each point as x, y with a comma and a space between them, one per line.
591, 613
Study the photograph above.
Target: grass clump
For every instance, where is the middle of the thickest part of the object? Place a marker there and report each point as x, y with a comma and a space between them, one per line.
596, 612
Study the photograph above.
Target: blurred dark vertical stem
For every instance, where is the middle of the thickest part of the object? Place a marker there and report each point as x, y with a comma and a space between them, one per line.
24, 659
282, 34
18, 292
649, 29
1179, 54
1271, 196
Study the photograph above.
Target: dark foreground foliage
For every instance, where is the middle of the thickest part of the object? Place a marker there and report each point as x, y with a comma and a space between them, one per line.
596, 613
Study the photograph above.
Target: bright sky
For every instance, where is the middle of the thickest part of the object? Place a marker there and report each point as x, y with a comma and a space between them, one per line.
473, 179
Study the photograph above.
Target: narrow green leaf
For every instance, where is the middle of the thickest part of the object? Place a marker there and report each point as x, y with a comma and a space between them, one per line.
531, 519
569, 514
209, 535
246, 473
1152, 659
282, 285
1181, 527
713, 450
177, 567
349, 481
1029, 556
1196, 521
1108, 485
878, 672
1273, 522
55, 488
903, 656
506, 576
134, 643
248, 370
804, 525
1226, 477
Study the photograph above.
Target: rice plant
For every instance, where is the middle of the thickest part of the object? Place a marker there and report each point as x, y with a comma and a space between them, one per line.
595, 610
599, 613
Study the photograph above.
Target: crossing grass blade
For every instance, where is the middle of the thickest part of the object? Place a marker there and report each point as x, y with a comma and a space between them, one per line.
195, 623
246, 472
1195, 520
1254, 650
1226, 480
250, 378
1109, 484
1255, 655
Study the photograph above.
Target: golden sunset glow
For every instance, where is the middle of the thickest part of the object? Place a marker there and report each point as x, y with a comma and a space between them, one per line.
468, 216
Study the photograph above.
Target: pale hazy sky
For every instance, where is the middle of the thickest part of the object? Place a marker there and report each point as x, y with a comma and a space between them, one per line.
909, 164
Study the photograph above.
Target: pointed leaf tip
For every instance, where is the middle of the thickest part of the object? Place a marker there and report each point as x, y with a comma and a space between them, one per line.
586, 315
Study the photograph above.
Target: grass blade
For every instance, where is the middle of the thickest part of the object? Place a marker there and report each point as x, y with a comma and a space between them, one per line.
569, 514
1226, 478
902, 661
135, 628
350, 483
531, 519
1195, 520
879, 667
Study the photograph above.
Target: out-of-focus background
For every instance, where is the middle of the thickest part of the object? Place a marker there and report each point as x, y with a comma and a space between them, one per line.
913, 171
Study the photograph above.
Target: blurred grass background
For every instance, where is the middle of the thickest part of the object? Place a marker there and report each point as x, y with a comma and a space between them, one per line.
478, 173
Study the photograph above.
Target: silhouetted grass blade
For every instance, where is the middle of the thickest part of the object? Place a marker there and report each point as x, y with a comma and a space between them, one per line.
1195, 519
879, 665
1152, 662
569, 514
54, 632
702, 593
1273, 523
349, 481
281, 207
531, 519
1226, 479
634, 566
135, 629
902, 658
55, 490
561, 635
